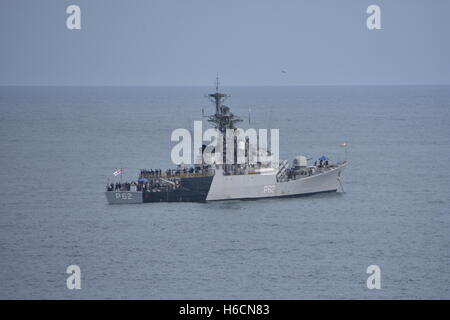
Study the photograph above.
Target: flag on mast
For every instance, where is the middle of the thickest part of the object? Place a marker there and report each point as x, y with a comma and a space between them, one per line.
117, 172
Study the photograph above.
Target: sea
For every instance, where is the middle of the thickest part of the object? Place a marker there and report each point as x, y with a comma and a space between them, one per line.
59, 146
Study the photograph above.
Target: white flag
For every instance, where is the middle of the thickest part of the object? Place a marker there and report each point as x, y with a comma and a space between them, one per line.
117, 172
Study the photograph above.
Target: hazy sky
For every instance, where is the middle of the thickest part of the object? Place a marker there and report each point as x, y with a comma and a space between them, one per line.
248, 42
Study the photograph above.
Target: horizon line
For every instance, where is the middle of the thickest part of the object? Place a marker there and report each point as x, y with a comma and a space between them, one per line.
226, 86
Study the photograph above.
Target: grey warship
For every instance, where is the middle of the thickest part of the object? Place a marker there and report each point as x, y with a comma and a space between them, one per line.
217, 182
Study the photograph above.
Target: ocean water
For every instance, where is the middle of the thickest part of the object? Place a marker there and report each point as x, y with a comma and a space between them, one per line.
58, 147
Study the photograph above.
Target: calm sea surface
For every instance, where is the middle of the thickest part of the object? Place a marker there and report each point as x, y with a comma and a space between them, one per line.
58, 147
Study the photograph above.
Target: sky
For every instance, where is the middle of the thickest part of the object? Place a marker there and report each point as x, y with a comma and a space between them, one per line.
247, 42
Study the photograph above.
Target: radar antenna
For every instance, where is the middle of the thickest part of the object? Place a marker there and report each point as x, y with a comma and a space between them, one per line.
223, 118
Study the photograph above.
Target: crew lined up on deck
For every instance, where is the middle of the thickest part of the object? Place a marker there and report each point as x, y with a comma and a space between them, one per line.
125, 186
322, 163
169, 172
152, 173
155, 181
155, 185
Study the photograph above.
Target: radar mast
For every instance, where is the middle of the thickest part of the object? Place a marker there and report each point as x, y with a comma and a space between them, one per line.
223, 118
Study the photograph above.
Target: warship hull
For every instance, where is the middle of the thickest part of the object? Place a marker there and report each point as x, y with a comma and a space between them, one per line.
266, 186
234, 187
192, 189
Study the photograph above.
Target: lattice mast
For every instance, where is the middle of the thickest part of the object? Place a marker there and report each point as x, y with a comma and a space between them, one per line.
223, 119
